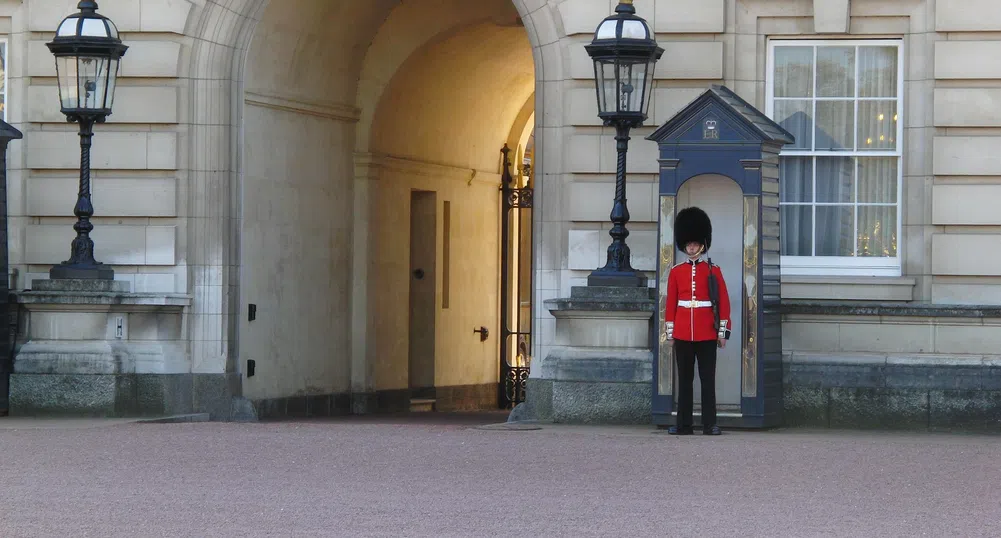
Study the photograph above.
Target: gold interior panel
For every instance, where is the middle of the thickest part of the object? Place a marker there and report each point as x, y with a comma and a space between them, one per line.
665, 354
749, 368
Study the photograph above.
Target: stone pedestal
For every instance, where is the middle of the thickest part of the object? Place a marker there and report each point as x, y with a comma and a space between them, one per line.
600, 370
92, 348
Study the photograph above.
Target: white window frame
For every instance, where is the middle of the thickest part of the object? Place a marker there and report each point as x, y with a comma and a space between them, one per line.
833, 265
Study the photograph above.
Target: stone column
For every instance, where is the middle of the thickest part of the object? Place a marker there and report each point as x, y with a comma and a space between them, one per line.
600, 368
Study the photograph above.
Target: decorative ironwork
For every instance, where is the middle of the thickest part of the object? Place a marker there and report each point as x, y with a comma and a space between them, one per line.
81, 263
517, 199
516, 377
618, 267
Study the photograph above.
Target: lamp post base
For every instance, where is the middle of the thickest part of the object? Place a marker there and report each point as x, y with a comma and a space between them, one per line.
82, 272
616, 279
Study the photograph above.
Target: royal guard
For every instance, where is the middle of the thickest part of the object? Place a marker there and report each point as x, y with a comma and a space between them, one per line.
697, 316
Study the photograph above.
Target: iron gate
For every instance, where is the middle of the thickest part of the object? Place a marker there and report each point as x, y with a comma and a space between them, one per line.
516, 279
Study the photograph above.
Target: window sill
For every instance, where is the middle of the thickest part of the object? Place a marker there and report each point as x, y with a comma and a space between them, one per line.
848, 288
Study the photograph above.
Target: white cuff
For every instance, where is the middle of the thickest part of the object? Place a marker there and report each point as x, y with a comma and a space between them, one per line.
724, 330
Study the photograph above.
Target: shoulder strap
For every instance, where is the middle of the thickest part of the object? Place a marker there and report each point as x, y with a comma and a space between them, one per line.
713, 294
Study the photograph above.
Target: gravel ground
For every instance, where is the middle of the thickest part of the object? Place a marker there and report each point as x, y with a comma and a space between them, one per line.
439, 475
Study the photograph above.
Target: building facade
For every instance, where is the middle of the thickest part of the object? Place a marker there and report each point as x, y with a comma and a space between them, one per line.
309, 192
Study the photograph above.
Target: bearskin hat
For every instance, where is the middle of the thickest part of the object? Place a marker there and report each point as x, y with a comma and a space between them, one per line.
692, 224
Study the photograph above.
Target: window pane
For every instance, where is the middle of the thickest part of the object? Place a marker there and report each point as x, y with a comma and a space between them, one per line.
797, 230
877, 125
835, 125
796, 179
797, 118
834, 180
877, 230
836, 71
877, 180
835, 231
877, 69
793, 72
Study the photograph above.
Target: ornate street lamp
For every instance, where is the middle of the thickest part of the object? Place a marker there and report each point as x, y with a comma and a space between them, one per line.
87, 51
624, 52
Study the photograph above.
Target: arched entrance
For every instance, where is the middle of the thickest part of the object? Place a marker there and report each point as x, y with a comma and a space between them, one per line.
368, 229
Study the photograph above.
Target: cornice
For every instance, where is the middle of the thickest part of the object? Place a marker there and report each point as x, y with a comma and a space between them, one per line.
333, 111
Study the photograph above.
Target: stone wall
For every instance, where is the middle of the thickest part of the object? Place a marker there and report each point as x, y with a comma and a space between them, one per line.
897, 367
169, 164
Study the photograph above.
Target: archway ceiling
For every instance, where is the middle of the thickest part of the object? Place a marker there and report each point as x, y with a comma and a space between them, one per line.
455, 100
313, 50
433, 80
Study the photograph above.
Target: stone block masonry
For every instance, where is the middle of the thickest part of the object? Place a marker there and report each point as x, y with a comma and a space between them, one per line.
894, 392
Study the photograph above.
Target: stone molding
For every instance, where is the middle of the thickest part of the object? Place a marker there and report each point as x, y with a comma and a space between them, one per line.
333, 111
848, 288
135, 302
883, 309
372, 165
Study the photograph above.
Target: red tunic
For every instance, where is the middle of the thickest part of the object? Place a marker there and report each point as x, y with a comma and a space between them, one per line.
694, 323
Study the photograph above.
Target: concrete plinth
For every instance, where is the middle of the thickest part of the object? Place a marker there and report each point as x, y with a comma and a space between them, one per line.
600, 371
92, 348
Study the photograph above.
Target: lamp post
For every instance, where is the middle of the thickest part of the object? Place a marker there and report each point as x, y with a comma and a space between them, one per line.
87, 50
624, 52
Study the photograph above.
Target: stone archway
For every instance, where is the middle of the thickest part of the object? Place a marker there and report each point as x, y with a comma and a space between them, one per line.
223, 134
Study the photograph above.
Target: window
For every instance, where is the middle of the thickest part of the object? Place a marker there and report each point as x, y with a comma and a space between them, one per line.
841, 181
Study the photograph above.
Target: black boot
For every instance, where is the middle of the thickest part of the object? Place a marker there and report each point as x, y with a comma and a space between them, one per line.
683, 430
712, 430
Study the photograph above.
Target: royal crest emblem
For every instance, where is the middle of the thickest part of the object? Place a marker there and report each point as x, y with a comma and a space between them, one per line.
709, 130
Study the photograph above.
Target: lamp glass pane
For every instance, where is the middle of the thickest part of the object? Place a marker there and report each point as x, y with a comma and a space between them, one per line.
67, 27
599, 75
66, 73
632, 80
606, 86
93, 28
606, 30
112, 80
92, 81
648, 89
633, 29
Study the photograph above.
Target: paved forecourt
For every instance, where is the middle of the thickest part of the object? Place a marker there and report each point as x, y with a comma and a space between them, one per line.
448, 475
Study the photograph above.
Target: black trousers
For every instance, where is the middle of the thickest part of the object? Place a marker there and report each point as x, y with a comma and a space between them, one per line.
685, 354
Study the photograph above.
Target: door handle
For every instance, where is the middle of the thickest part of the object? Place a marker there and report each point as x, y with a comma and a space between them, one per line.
484, 333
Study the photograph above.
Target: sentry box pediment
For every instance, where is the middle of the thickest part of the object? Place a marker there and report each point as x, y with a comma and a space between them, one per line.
722, 154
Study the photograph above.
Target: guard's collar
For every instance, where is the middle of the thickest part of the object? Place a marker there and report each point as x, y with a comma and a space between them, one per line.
701, 258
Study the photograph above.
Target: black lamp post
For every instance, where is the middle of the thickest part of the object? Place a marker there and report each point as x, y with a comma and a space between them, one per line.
87, 51
624, 52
